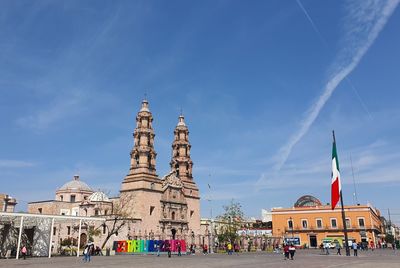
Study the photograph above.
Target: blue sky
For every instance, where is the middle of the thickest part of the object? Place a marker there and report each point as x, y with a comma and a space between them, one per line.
261, 84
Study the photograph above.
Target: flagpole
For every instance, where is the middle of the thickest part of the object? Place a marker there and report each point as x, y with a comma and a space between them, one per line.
346, 239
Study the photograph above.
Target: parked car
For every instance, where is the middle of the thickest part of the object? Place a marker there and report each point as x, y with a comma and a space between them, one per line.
329, 245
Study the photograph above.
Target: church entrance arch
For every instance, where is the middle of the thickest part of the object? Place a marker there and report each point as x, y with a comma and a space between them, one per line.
173, 231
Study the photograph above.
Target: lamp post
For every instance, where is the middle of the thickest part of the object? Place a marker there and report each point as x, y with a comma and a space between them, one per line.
291, 229
210, 235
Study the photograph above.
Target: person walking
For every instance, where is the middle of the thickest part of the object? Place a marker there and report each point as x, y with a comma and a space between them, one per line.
90, 250
327, 249
292, 250
338, 249
286, 251
85, 253
355, 248
23, 251
179, 248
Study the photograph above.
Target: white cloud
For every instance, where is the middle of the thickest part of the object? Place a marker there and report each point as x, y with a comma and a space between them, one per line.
60, 109
4, 163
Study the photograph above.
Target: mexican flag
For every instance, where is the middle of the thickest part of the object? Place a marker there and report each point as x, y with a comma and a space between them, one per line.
336, 188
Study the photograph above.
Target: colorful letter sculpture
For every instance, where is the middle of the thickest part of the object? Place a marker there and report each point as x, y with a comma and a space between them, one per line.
148, 246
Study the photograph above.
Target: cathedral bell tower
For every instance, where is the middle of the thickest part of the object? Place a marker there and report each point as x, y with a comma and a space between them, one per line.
181, 161
143, 155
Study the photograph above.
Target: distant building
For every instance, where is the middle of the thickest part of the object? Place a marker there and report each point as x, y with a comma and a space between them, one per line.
311, 223
7, 203
74, 198
266, 216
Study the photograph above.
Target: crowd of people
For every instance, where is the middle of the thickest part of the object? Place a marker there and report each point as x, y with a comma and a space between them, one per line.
289, 249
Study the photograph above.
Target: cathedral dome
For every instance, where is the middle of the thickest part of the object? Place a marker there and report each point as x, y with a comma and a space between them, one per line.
75, 185
99, 197
307, 201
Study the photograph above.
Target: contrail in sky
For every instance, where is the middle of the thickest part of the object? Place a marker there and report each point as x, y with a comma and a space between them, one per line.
323, 40
350, 58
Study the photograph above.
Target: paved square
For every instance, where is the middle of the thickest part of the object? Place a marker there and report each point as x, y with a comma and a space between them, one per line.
303, 258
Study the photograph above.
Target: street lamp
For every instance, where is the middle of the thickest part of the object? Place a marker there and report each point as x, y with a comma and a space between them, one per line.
210, 236
291, 228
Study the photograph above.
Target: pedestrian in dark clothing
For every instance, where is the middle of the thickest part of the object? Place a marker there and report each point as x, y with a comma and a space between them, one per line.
286, 251
179, 249
355, 248
292, 250
169, 250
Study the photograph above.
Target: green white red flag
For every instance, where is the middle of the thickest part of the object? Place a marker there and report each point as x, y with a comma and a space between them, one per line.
336, 187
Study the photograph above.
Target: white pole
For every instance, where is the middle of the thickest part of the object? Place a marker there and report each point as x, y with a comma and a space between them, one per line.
51, 236
79, 237
212, 236
19, 237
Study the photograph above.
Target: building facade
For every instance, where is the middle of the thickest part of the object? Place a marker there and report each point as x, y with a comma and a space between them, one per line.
309, 223
7, 203
169, 206
150, 207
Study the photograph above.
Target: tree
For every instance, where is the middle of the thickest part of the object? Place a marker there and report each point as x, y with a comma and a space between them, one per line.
232, 217
118, 218
389, 238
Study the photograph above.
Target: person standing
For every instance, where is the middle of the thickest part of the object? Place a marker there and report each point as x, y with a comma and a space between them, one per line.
229, 248
23, 251
237, 248
169, 250
355, 248
292, 250
205, 249
158, 250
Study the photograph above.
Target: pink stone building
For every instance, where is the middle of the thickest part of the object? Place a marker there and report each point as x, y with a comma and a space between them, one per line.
150, 206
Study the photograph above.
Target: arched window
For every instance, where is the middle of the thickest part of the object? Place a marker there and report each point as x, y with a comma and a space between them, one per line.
173, 215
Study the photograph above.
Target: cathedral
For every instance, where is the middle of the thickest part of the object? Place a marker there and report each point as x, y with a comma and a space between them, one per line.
170, 205
155, 208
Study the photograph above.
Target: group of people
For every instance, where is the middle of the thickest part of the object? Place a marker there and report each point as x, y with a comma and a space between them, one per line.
288, 251
354, 246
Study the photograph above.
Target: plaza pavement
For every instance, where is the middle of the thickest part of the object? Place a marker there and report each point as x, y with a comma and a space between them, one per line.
303, 259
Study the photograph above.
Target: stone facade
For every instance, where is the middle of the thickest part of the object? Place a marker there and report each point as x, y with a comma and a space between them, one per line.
172, 203
7, 203
149, 206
